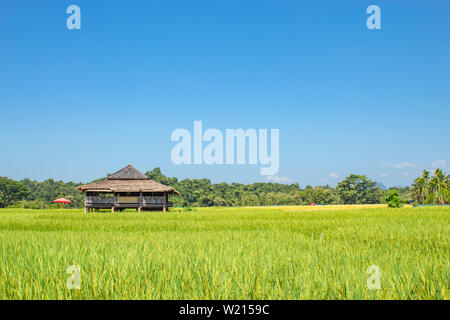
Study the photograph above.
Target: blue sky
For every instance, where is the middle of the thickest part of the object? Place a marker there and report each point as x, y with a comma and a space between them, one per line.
77, 104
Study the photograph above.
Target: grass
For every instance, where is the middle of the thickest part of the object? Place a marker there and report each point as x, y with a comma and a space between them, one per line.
227, 253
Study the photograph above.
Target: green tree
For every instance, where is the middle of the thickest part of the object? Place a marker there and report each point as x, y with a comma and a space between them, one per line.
420, 188
249, 199
432, 190
319, 195
393, 199
439, 185
358, 189
11, 191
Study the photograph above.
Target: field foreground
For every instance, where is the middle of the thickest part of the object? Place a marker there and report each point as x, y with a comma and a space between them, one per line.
227, 253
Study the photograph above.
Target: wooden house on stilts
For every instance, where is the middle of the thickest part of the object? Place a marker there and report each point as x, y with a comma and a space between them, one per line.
127, 188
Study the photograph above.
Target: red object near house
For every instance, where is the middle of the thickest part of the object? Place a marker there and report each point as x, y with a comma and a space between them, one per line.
62, 200
313, 204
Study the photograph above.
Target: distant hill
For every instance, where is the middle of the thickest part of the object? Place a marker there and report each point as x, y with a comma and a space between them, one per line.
380, 185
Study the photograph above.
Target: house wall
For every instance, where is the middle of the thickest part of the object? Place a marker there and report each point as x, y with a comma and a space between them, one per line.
127, 200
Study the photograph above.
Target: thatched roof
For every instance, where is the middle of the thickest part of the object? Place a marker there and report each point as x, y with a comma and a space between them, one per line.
128, 173
128, 179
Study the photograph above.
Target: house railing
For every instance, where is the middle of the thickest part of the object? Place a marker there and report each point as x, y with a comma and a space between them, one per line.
140, 201
89, 200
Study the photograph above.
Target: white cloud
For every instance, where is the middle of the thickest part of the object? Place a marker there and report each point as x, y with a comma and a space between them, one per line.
384, 174
384, 164
439, 164
403, 165
323, 179
334, 175
406, 174
282, 180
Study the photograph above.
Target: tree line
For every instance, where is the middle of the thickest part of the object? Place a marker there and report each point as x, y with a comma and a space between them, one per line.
354, 189
33, 194
433, 189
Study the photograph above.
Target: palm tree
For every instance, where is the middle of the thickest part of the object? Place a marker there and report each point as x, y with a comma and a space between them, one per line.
432, 190
419, 189
426, 179
440, 183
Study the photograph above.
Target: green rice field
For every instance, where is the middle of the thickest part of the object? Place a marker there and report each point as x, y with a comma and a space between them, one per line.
227, 253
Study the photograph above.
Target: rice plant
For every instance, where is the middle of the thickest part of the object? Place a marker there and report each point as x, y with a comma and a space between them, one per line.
227, 253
